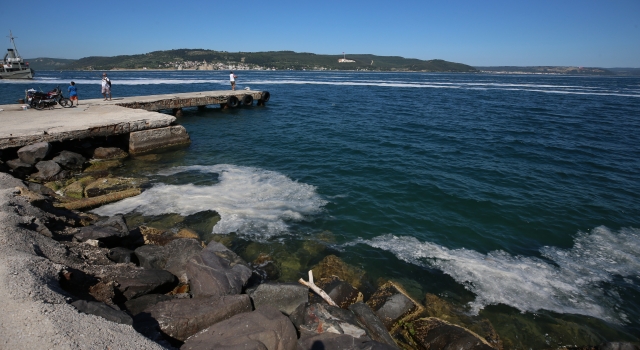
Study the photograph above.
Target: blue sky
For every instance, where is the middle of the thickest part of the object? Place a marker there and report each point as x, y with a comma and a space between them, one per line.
476, 32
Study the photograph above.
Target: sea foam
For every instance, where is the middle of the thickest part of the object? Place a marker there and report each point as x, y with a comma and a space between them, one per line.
573, 280
252, 202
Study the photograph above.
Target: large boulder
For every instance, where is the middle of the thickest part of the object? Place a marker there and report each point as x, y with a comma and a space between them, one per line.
103, 310
70, 160
47, 169
181, 251
137, 282
392, 305
121, 255
434, 333
110, 231
286, 297
20, 168
138, 305
374, 326
264, 329
151, 256
34, 153
319, 318
216, 271
182, 318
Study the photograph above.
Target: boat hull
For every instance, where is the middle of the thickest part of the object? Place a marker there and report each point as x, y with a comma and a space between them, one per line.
19, 74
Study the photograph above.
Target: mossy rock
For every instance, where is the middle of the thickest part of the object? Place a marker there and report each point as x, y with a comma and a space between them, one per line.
333, 266
434, 333
54, 185
112, 184
187, 233
102, 165
75, 189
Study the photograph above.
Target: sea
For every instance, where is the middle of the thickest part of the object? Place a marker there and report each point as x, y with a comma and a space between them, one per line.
515, 198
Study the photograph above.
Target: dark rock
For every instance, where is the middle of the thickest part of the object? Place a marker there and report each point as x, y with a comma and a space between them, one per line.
341, 292
138, 282
116, 222
103, 291
265, 329
109, 153
434, 333
181, 250
103, 310
47, 169
34, 153
108, 235
392, 304
39, 188
181, 318
327, 341
374, 326
138, 305
211, 273
121, 255
70, 160
151, 256
19, 168
319, 318
285, 297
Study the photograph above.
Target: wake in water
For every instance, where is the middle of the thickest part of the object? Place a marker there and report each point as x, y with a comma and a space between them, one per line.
573, 281
252, 202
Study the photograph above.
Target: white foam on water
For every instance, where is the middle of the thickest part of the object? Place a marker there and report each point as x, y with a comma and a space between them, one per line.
252, 202
573, 281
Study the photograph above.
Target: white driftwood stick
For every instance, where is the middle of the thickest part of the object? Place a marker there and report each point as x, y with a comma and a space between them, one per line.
317, 289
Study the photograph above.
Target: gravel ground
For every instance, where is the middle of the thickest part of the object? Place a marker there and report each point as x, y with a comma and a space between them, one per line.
34, 310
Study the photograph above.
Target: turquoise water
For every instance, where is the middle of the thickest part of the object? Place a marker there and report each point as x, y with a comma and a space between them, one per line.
514, 196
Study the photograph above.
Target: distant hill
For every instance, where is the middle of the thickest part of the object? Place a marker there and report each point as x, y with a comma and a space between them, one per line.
546, 70
281, 60
44, 63
625, 71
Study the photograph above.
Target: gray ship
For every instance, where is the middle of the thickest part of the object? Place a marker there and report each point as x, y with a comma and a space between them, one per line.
13, 66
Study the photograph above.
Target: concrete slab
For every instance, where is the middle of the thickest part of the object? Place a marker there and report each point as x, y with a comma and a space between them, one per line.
92, 118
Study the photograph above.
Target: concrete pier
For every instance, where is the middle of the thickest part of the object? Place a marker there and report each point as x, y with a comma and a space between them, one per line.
126, 115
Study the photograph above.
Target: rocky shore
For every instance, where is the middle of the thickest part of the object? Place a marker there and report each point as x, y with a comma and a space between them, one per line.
71, 279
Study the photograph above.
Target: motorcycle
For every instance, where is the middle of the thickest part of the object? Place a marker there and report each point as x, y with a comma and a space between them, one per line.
41, 100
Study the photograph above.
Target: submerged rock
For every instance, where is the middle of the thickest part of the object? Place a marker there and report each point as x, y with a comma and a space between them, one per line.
111, 184
109, 153
100, 166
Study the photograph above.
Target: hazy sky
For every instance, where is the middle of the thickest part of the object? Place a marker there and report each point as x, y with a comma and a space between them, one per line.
476, 32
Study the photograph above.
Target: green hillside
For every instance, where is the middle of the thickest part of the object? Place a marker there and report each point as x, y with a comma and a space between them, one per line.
192, 59
43, 63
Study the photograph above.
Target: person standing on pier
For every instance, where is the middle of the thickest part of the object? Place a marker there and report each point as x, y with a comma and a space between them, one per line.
106, 87
232, 79
73, 93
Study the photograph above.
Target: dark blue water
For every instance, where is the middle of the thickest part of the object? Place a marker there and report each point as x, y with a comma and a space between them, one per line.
514, 196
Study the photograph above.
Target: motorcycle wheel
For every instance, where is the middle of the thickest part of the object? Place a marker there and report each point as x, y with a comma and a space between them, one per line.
40, 105
65, 103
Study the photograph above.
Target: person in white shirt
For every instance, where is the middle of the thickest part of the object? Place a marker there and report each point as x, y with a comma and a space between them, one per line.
106, 87
232, 79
